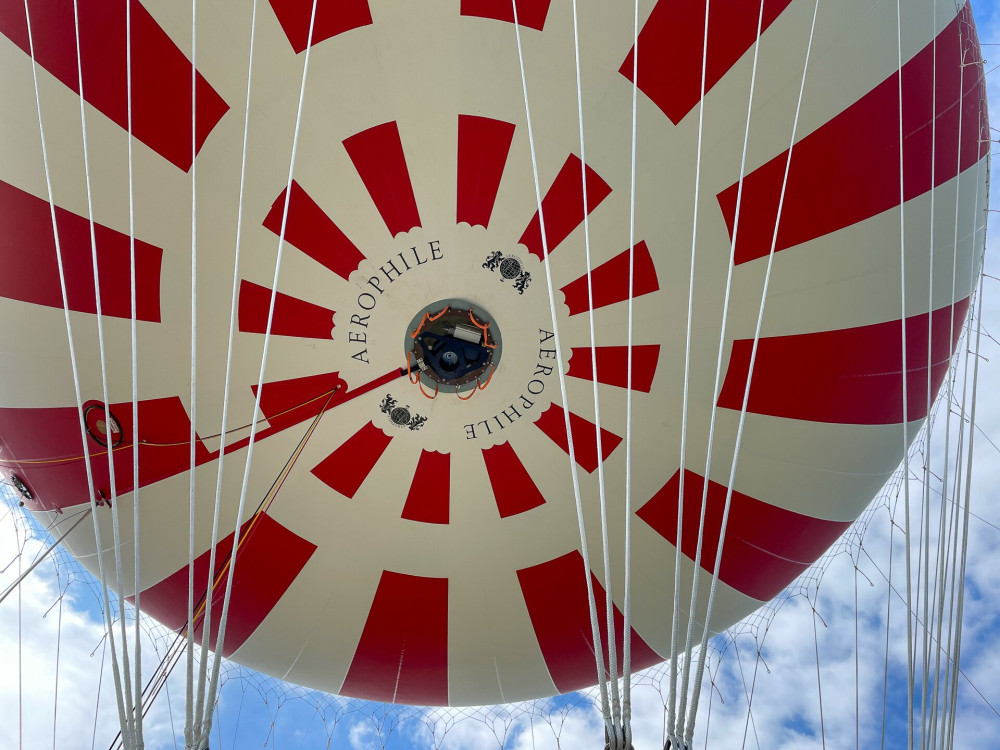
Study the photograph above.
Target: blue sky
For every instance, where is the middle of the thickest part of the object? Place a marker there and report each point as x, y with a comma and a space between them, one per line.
59, 605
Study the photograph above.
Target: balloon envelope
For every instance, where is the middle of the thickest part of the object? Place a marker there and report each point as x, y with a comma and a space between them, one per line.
410, 531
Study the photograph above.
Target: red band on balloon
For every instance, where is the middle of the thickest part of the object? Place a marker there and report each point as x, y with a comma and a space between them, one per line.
562, 206
513, 488
403, 653
29, 269
671, 46
837, 179
161, 74
766, 547
555, 593
310, 230
848, 376
483, 146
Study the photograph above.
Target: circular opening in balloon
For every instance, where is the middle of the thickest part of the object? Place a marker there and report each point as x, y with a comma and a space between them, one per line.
453, 342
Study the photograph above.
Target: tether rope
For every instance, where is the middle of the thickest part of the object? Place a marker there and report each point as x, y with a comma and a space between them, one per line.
571, 450
616, 734
673, 713
688, 733
76, 375
220, 638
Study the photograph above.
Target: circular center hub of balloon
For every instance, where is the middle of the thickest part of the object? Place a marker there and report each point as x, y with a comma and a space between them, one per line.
452, 343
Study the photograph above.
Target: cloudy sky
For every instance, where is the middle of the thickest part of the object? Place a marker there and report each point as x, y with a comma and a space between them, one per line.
57, 688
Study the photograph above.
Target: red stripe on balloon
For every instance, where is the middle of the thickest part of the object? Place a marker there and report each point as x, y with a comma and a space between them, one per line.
672, 48
848, 170
555, 593
483, 146
29, 269
562, 206
331, 19
53, 434
530, 13
378, 157
309, 229
610, 281
292, 316
269, 560
766, 547
513, 488
346, 468
430, 492
402, 656
848, 376
161, 74
612, 365
553, 424
285, 403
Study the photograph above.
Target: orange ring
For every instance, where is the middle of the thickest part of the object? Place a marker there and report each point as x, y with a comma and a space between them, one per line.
471, 394
482, 386
409, 374
423, 393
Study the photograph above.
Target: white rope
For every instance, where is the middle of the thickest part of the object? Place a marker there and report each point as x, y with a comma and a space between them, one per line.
905, 425
674, 715
627, 604
189, 704
574, 473
75, 371
688, 733
116, 528
926, 500
133, 326
220, 638
204, 707
616, 733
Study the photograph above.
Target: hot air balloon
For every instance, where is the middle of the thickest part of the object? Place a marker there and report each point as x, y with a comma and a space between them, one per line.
437, 318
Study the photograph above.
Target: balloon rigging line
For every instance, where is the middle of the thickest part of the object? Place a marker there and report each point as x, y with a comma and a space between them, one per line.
675, 714
134, 352
174, 652
73, 361
220, 640
116, 527
616, 733
190, 707
231, 336
627, 603
17, 583
957, 648
571, 451
696, 693
903, 378
947, 728
678, 733
925, 542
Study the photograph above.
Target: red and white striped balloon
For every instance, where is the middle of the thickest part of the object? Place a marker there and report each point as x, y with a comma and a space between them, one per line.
427, 550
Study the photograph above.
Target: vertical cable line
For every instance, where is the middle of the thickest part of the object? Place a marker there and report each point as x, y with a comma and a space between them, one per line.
76, 384
674, 715
627, 605
696, 692
189, 705
956, 650
220, 637
617, 732
926, 500
205, 707
133, 326
571, 450
113, 500
904, 374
